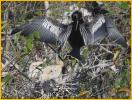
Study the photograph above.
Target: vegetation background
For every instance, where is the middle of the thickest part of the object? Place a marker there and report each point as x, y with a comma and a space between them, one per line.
20, 55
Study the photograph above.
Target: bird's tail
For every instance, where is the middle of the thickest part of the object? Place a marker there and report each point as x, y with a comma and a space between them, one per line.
75, 53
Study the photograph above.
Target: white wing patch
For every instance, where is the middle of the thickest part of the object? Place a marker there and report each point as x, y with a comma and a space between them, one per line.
98, 24
54, 29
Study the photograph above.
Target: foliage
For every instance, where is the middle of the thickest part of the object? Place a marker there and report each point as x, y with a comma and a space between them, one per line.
83, 81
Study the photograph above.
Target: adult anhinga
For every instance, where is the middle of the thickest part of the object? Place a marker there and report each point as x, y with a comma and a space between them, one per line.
78, 33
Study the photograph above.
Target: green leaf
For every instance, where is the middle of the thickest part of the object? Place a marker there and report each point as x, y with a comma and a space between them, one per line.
36, 35
39, 13
4, 26
79, 5
106, 5
117, 83
3, 22
7, 78
111, 12
74, 62
85, 52
17, 37
123, 5
25, 50
127, 62
29, 42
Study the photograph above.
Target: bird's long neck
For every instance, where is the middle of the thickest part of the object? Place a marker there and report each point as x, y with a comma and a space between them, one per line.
77, 23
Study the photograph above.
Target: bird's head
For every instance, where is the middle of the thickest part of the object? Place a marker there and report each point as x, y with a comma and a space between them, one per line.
93, 5
96, 7
76, 16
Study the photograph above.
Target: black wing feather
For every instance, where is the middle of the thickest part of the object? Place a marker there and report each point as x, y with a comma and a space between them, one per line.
50, 31
114, 33
93, 31
100, 28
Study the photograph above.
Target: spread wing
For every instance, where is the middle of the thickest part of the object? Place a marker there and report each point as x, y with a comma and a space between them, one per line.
50, 31
100, 28
114, 33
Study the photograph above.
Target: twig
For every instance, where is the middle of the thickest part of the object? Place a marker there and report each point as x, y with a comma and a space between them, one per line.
56, 52
18, 69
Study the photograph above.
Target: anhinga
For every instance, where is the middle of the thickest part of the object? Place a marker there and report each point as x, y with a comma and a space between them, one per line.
78, 33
